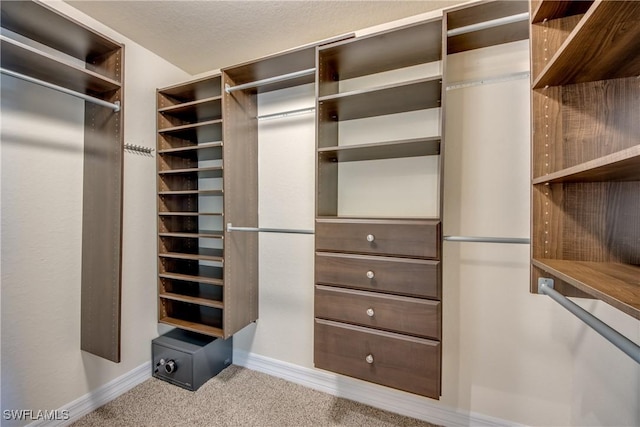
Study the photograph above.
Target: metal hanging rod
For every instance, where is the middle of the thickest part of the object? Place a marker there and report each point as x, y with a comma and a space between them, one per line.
516, 240
489, 24
287, 113
499, 79
138, 148
115, 106
631, 349
230, 227
270, 80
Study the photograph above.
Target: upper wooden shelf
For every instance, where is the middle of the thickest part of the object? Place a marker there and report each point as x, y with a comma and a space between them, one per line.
205, 172
382, 150
279, 64
611, 29
192, 300
24, 59
390, 99
555, 9
193, 91
192, 150
398, 48
189, 127
39, 22
191, 192
615, 284
484, 12
204, 254
193, 111
621, 166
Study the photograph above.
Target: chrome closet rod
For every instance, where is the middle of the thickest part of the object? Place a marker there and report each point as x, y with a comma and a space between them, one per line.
270, 80
286, 113
115, 106
489, 24
230, 227
517, 240
631, 349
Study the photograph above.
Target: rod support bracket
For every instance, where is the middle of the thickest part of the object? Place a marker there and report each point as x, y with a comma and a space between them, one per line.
544, 282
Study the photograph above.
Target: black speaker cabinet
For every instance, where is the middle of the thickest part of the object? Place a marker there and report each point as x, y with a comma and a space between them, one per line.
187, 359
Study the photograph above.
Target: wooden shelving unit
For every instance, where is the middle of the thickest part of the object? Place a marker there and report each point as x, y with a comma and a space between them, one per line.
366, 266
585, 150
94, 69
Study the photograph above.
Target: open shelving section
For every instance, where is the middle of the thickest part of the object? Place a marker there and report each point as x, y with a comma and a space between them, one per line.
191, 179
378, 276
586, 150
42, 46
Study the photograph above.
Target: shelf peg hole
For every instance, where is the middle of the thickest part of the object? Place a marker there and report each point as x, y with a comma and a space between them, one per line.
370, 274
370, 238
370, 312
369, 359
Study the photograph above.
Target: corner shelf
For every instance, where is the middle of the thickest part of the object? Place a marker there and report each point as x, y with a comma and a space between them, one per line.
614, 283
610, 28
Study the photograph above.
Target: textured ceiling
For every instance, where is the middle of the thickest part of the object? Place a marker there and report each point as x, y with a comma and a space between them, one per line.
200, 36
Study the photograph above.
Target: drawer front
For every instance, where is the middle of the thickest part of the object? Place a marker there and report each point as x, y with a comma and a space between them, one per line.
411, 238
384, 274
405, 363
390, 312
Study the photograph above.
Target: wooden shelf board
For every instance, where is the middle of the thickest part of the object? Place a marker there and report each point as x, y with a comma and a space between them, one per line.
190, 126
389, 99
613, 283
60, 32
204, 254
191, 192
26, 60
193, 326
559, 9
621, 166
190, 214
191, 106
611, 27
375, 220
190, 150
398, 48
191, 300
383, 150
208, 172
203, 88
193, 278
204, 234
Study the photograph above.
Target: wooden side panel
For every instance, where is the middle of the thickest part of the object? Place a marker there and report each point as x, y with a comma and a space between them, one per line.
240, 158
102, 231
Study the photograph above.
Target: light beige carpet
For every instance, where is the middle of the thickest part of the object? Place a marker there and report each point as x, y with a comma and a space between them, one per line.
238, 397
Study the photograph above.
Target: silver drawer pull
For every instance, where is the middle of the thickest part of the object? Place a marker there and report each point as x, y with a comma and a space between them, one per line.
369, 358
370, 238
370, 312
370, 274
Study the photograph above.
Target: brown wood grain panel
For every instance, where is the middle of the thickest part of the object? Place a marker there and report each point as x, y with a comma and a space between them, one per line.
601, 222
398, 361
614, 283
240, 153
549, 9
546, 40
410, 238
547, 238
599, 118
413, 316
611, 30
546, 136
101, 273
401, 276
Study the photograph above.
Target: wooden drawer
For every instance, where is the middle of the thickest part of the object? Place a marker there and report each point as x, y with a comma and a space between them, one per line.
406, 315
398, 361
396, 237
403, 276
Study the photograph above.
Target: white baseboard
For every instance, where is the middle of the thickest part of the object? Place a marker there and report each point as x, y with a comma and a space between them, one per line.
370, 394
98, 397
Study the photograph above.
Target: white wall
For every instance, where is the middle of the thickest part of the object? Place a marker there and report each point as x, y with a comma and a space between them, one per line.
507, 353
41, 234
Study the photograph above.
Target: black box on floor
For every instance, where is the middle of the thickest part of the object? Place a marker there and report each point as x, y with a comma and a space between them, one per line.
187, 359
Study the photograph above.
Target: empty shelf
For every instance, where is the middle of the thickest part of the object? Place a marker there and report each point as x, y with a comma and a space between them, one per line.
204, 254
191, 299
382, 150
193, 326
